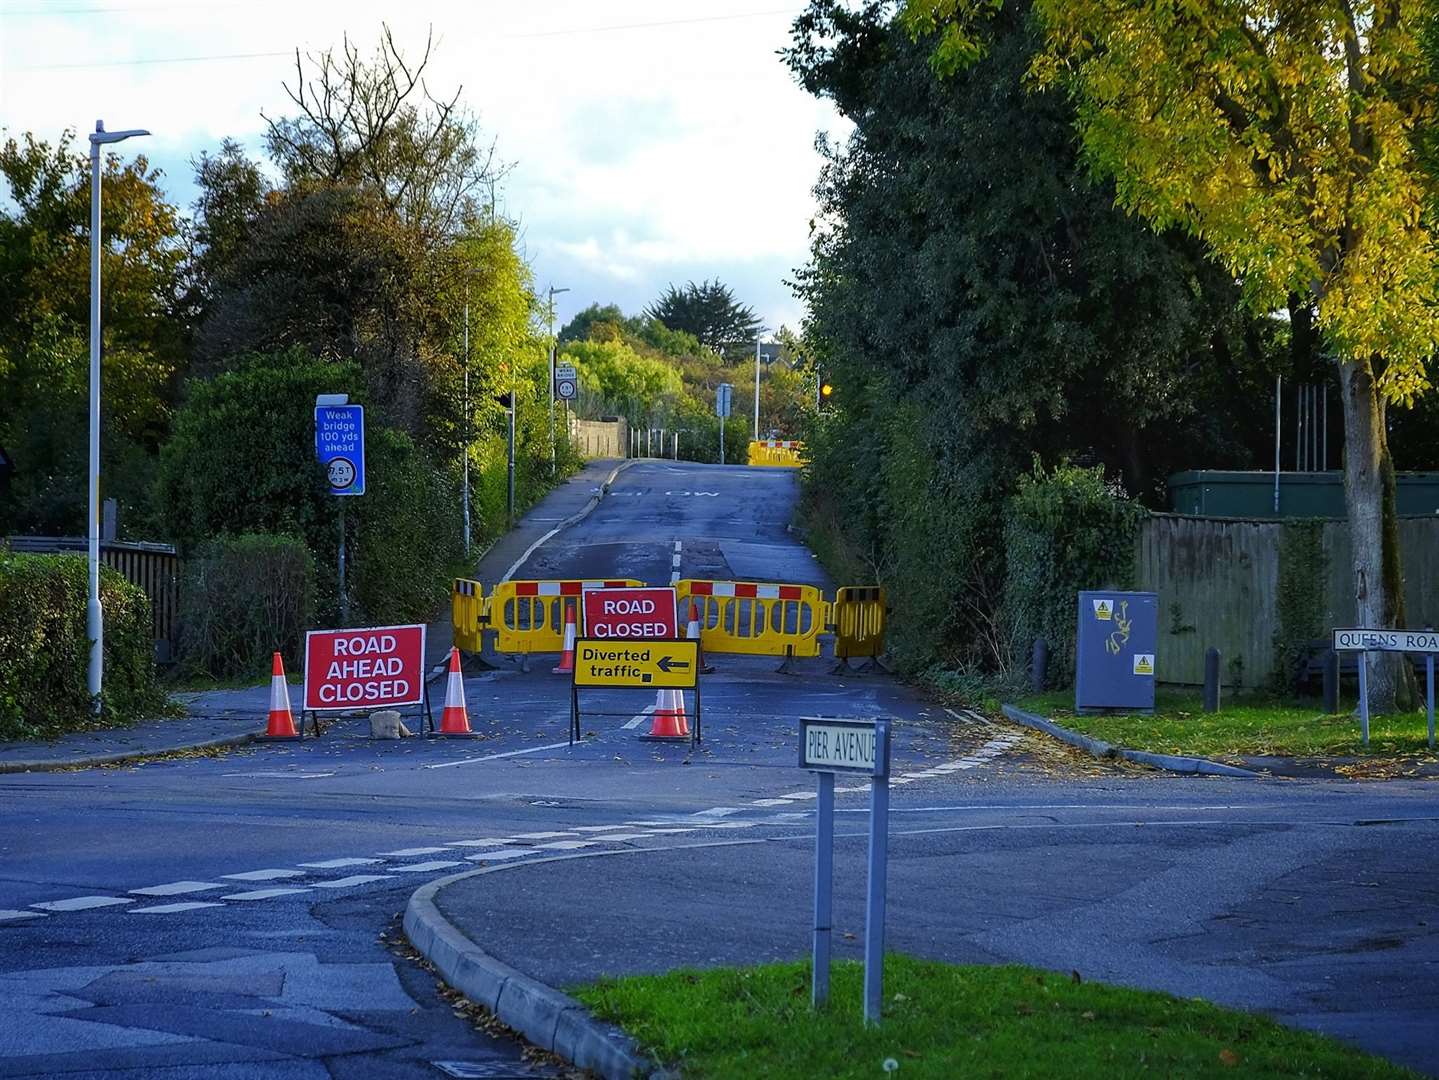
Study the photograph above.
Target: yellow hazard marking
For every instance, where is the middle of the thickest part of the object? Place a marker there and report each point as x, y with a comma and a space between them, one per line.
1102, 610
670, 665
1144, 663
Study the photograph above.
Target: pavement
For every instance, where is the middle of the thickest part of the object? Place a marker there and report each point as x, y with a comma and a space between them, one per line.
238, 914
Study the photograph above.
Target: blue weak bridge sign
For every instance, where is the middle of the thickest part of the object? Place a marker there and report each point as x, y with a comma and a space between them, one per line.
340, 446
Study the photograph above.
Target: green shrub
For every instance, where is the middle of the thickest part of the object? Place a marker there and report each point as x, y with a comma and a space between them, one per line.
245, 597
44, 641
1066, 530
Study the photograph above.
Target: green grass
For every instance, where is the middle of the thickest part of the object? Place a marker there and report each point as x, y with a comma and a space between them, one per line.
1246, 725
942, 1022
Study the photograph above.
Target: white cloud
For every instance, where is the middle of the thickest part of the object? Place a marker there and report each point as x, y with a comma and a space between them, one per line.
652, 141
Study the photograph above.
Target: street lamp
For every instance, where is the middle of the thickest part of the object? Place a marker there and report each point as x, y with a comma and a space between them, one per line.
94, 616
553, 348
757, 335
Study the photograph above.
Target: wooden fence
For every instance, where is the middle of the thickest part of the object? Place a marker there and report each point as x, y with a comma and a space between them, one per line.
1217, 580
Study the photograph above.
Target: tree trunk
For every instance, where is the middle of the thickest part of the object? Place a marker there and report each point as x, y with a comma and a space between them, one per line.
1364, 495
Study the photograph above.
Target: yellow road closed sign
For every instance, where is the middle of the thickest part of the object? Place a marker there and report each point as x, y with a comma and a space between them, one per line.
670, 665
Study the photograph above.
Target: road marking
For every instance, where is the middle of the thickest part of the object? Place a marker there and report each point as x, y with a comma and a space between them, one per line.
677, 547
338, 864
82, 903
425, 867
276, 775
716, 811
639, 718
503, 853
565, 845
14, 916
355, 879
494, 757
667, 832
263, 894
615, 838
406, 852
170, 909
596, 828
263, 875
770, 802
543, 835
177, 888
488, 841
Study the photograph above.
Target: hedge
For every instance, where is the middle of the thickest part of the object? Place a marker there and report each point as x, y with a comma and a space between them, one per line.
44, 642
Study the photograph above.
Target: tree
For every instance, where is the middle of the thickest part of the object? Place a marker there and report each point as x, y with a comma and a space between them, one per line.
710, 312
1285, 138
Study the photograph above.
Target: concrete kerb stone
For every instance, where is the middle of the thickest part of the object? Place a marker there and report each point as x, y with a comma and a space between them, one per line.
1177, 763
90, 760
546, 1017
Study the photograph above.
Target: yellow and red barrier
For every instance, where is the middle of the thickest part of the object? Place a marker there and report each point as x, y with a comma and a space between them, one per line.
756, 618
529, 616
776, 453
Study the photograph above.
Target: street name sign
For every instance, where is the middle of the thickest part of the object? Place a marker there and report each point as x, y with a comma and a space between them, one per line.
340, 446
642, 665
1406, 641
630, 614
850, 746
372, 668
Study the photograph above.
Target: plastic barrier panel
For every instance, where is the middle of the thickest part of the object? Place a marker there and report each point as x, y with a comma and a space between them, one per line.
779, 453
857, 619
756, 619
529, 616
467, 609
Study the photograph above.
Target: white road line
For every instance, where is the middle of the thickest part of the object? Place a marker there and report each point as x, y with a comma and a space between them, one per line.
596, 828
494, 757
615, 838
674, 577
15, 916
543, 835
565, 845
503, 853
487, 841
354, 879
339, 864
406, 852
675, 561
677, 547
663, 832
766, 802
82, 903
170, 909
639, 718
263, 875
425, 867
716, 811
263, 894
177, 888
800, 795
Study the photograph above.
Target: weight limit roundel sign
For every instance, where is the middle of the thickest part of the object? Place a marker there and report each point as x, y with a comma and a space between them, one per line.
565, 389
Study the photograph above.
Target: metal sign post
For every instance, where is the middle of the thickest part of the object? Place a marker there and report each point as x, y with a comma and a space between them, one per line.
827, 746
724, 394
340, 448
1362, 641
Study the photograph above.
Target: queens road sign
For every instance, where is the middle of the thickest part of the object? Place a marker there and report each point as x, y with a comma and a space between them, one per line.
1410, 641
645, 665
374, 668
630, 614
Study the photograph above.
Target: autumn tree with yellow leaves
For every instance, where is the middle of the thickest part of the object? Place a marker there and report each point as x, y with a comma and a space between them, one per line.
1283, 134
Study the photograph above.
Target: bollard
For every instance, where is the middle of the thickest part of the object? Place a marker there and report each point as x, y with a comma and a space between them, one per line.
1331, 682
1211, 679
1039, 665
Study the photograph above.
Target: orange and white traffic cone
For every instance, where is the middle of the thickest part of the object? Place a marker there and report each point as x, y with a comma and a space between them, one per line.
692, 633
282, 721
670, 723
455, 720
566, 665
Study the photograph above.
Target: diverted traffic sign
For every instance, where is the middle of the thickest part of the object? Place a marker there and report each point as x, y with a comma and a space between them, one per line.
373, 668
643, 665
850, 746
630, 614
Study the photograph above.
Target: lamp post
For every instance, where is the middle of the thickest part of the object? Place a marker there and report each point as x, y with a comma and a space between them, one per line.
94, 616
465, 477
757, 335
553, 348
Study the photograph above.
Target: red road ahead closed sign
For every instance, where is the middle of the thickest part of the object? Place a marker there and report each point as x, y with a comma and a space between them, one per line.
372, 668
630, 614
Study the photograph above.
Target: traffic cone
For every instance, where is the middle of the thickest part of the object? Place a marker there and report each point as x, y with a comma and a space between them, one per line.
692, 632
670, 723
566, 665
282, 722
455, 720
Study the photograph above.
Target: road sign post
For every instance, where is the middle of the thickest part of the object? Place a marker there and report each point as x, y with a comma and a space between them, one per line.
1362, 641
340, 447
829, 745
724, 394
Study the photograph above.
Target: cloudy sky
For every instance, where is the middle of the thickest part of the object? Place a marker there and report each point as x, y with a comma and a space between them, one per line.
652, 141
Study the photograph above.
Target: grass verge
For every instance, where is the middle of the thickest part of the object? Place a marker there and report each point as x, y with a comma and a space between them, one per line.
1246, 726
945, 1021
